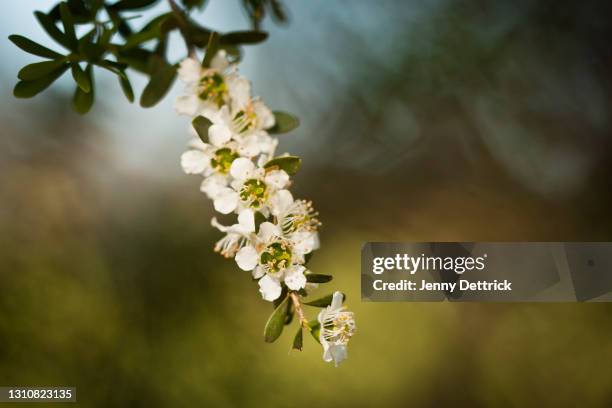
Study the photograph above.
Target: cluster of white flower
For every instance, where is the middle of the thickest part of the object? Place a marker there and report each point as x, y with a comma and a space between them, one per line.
274, 232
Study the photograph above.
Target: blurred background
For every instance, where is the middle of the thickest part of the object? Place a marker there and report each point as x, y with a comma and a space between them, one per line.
421, 121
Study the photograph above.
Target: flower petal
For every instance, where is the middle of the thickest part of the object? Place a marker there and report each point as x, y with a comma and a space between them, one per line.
187, 105
194, 161
219, 134
269, 288
264, 114
336, 301
304, 242
189, 70
226, 201
258, 272
247, 258
280, 202
219, 61
242, 168
246, 220
295, 278
267, 231
277, 178
240, 92
213, 185
337, 352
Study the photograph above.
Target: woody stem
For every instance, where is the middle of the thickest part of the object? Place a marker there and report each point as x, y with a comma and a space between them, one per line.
295, 298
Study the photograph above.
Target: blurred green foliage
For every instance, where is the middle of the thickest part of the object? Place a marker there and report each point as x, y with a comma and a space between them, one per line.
142, 50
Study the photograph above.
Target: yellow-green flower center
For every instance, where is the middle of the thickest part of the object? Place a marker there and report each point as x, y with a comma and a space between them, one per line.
222, 160
254, 192
213, 88
276, 257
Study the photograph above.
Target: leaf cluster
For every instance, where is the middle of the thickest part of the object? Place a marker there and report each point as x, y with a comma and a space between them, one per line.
101, 34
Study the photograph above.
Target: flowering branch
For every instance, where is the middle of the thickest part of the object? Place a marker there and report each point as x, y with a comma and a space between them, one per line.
274, 236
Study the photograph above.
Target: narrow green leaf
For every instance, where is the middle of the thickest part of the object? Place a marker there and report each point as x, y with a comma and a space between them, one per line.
211, 49
201, 125
82, 101
243, 37
49, 26
33, 47
28, 89
324, 301
307, 257
141, 37
290, 164
315, 329
68, 23
80, 77
284, 122
39, 69
126, 86
159, 84
276, 322
318, 278
298, 340
133, 4
136, 58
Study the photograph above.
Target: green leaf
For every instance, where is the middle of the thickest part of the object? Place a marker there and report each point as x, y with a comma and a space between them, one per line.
211, 49
290, 313
307, 257
68, 23
243, 37
154, 29
133, 4
201, 125
81, 78
290, 164
118, 69
298, 340
315, 329
324, 301
39, 69
276, 322
318, 278
162, 78
49, 26
259, 219
28, 89
91, 50
284, 122
126, 86
33, 48
136, 58
82, 101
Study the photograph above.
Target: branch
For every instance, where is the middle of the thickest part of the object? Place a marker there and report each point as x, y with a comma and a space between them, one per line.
183, 26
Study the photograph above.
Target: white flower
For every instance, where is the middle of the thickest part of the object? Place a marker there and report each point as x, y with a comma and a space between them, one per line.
268, 255
337, 327
252, 187
251, 116
237, 235
206, 89
248, 258
247, 144
294, 215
